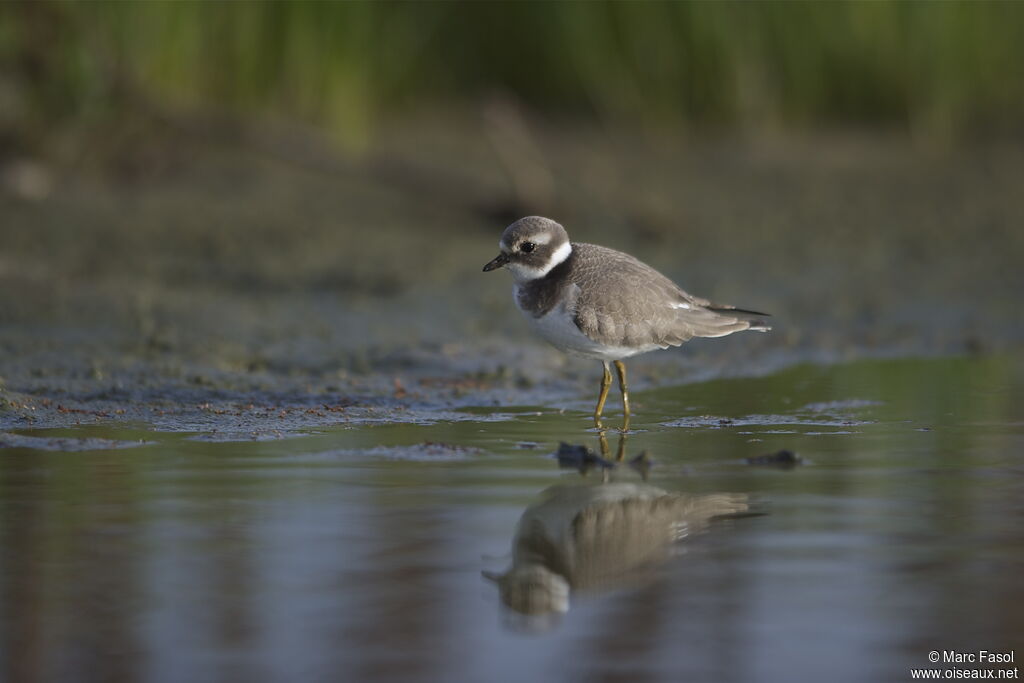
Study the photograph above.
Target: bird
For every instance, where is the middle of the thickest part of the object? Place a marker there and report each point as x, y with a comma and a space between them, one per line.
602, 304
593, 537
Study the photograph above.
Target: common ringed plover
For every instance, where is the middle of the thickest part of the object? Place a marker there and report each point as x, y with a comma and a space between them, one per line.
603, 304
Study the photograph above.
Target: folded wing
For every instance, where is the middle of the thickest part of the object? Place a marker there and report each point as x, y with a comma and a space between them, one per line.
636, 305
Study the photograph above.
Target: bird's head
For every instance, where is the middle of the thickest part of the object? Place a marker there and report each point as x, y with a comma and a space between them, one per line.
531, 247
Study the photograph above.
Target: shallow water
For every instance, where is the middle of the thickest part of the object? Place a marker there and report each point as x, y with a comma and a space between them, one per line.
358, 552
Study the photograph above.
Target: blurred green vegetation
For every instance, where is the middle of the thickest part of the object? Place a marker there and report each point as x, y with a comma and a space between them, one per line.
945, 68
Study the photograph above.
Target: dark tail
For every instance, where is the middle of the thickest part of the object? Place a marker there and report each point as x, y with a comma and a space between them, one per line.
751, 317
719, 308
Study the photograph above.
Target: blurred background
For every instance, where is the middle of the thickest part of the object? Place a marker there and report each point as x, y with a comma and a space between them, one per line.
220, 190
240, 265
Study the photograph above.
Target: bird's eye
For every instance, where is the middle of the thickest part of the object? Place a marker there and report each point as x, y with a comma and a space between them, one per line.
527, 247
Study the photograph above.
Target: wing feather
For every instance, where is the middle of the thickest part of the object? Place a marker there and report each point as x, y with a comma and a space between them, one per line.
653, 309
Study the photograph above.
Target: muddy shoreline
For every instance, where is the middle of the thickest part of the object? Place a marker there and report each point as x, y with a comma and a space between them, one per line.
215, 277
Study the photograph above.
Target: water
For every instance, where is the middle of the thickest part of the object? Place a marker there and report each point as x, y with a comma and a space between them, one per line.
360, 553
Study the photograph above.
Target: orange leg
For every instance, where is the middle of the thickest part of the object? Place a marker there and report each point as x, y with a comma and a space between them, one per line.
620, 369
606, 381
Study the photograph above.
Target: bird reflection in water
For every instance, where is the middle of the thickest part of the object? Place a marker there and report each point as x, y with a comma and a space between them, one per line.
594, 536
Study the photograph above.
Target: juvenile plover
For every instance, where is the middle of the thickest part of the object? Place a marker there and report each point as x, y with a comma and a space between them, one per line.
603, 304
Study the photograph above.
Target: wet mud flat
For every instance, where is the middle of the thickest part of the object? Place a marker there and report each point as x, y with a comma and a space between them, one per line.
274, 270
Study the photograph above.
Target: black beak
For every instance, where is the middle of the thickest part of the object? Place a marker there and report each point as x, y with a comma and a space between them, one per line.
498, 261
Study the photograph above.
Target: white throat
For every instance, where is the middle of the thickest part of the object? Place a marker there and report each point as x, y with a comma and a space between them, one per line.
523, 274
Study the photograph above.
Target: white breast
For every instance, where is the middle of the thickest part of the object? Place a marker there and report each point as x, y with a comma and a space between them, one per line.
558, 328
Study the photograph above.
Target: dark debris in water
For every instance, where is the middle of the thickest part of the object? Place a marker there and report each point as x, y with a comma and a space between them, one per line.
783, 459
579, 457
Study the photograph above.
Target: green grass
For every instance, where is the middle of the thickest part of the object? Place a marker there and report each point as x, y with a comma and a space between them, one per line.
946, 67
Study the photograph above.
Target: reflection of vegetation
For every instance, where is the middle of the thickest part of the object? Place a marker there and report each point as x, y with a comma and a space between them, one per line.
342, 64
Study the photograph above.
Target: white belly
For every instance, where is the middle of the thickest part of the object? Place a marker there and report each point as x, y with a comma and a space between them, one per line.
559, 329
